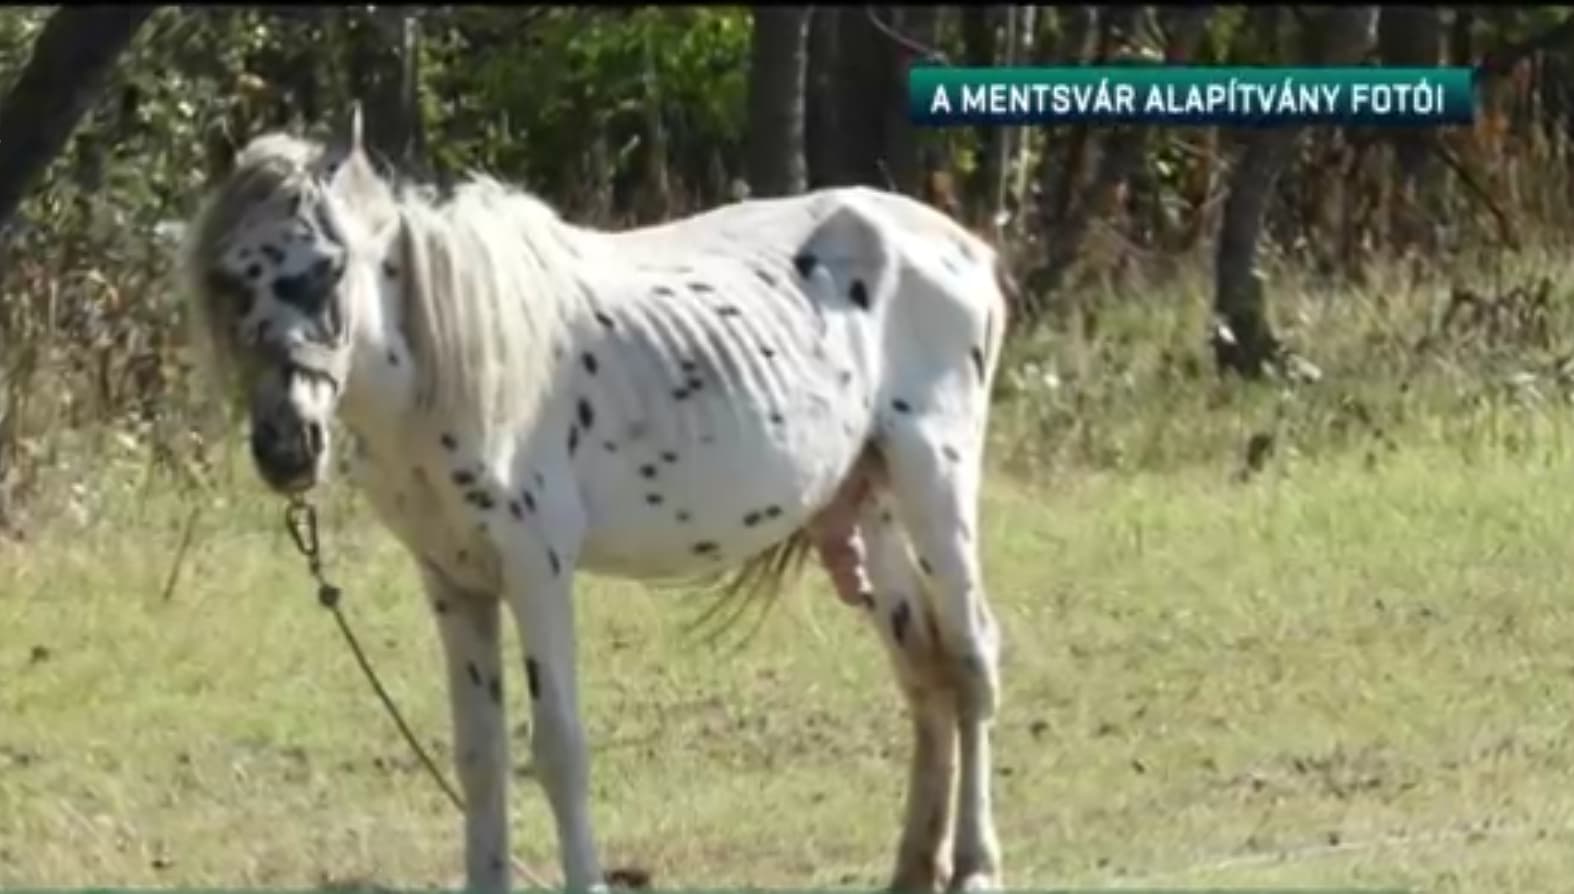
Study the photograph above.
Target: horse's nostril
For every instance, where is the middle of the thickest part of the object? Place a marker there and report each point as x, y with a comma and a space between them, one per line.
314, 438
264, 434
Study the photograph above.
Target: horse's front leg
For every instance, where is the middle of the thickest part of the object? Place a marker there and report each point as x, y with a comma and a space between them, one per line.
469, 624
538, 565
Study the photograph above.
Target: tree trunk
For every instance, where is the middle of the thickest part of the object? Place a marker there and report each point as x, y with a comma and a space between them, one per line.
986, 188
654, 195
1461, 51
865, 59
1411, 37
70, 63
380, 47
904, 148
1060, 164
410, 88
1123, 149
822, 137
868, 139
1243, 338
777, 100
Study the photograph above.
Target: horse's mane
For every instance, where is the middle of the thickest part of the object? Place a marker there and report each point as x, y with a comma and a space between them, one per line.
483, 277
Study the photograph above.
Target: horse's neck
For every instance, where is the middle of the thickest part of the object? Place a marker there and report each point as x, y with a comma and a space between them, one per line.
380, 395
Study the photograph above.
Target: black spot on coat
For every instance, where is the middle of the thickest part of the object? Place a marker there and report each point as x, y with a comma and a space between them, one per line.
533, 678
900, 616
859, 293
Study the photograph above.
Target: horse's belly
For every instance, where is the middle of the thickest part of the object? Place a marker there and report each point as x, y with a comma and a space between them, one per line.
709, 506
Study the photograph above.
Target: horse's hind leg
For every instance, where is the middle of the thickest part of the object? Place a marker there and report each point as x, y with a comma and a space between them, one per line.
895, 606
863, 550
933, 463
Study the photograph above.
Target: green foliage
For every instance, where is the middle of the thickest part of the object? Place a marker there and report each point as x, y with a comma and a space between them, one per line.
530, 102
599, 108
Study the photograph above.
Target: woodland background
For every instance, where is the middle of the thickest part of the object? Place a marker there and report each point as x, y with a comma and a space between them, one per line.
630, 115
1277, 524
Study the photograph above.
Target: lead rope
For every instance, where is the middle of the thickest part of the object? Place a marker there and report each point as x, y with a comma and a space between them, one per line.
300, 518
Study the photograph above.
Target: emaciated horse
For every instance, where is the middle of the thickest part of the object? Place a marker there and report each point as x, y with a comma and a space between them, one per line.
530, 398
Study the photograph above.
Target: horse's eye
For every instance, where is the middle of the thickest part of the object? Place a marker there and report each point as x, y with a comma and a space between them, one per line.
308, 290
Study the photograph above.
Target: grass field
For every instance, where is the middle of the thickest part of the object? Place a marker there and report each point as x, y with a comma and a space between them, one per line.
1355, 668
1333, 674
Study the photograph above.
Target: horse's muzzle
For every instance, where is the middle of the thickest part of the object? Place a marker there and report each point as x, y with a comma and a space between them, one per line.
289, 453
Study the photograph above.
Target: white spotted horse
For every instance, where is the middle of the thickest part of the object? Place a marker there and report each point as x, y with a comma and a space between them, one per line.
718, 394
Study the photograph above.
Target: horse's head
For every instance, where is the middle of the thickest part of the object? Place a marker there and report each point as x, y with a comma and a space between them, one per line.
277, 263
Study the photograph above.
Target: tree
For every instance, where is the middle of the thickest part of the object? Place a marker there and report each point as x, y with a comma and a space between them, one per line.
70, 63
858, 128
383, 53
1123, 149
1410, 37
775, 154
1243, 338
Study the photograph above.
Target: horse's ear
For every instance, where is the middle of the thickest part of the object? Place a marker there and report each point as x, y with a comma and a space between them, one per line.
355, 179
357, 130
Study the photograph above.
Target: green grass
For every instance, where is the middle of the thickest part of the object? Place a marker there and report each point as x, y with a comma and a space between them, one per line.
1355, 667
1333, 674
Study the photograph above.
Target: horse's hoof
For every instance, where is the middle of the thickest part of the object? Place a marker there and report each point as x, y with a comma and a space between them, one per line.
975, 881
628, 878
919, 880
